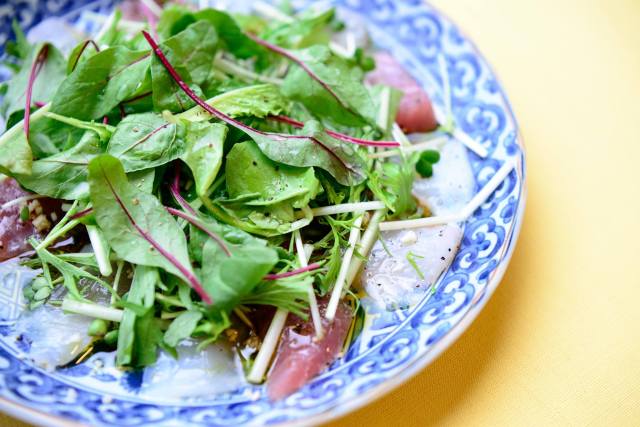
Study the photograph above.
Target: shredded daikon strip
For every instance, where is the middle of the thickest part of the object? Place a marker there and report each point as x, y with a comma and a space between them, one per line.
347, 207
366, 243
313, 302
20, 200
92, 310
100, 249
420, 222
336, 293
418, 146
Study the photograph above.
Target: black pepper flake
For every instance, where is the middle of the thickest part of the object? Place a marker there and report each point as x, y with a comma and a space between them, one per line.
442, 258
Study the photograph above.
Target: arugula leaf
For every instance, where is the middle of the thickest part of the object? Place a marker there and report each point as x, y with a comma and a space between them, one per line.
133, 342
249, 172
342, 98
288, 294
301, 32
100, 83
136, 225
51, 74
192, 52
258, 101
228, 278
182, 327
203, 153
147, 140
63, 175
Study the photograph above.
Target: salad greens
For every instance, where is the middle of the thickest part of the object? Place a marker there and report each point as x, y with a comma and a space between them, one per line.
190, 157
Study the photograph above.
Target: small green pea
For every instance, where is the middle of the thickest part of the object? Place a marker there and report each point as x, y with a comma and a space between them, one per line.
431, 156
111, 337
24, 214
42, 294
367, 63
98, 328
424, 168
39, 283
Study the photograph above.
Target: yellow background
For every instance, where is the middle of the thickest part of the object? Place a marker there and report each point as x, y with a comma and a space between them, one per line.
559, 342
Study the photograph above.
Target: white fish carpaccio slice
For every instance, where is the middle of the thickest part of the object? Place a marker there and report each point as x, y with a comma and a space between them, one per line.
391, 281
195, 373
452, 185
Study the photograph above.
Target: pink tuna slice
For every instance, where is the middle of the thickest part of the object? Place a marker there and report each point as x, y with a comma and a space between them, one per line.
13, 231
299, 358
416, 112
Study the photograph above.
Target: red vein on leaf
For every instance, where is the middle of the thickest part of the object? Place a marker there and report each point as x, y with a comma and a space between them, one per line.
223, 117
39, 104
37, 65
175, 191
188, 275
337, 135
82, 213
196, 223
137, 98
284, 52
82, 49
291, 273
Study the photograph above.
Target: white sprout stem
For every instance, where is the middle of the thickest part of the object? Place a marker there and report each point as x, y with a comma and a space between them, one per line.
313, 302
336, 293
101, 250
383, 113
268, 347
465, 213
20, 200
153, 7
269, 11
470, 143
340, 50
489, 187
400, 136
418, 146
347, 208
271, 338
231, 67
420, 222
92, 310
366, 243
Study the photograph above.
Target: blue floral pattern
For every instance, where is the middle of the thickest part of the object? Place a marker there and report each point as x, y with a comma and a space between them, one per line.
396, 344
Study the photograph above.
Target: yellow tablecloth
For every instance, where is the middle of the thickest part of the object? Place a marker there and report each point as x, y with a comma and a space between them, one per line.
559, 342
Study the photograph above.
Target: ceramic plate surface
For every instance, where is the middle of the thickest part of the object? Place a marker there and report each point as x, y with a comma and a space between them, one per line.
396, 345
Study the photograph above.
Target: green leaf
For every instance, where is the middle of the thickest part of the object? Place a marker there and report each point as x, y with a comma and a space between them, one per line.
182, 327
136, 225
354, 106
288, 294
63, 175
258, 101
203, 153
101, 82
228, 278
79, 54
302, 32
249, 172
146, 140
235, 41
191, 52
392, 184
130, 338
49, 78
340, 159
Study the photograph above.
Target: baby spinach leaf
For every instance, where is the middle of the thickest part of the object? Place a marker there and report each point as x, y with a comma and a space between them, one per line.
63, 175
314, 148
203, 152
182, 327
228, 278
192, 52
147, 140
137, 226
249, 172
142, 293
343, 100
51, 74
81, 53
15, 153
258, 101
303, 31
235, 41
101, 82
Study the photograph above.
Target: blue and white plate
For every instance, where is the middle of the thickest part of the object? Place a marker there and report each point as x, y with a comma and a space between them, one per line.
392, 350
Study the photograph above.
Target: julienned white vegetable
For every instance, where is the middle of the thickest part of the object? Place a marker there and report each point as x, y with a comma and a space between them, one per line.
92, 310
336, 293
419, 146
100, 249
466, 212
271, 338
347, 207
